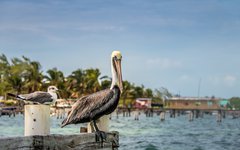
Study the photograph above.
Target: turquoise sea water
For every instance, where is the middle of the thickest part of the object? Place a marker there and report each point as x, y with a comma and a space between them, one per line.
152, 134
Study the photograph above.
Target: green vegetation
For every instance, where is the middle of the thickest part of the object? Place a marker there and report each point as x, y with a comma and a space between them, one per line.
8, 102
234, 103
22, 75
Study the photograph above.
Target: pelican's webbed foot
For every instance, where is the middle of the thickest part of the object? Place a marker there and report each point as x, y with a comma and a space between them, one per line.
101, 136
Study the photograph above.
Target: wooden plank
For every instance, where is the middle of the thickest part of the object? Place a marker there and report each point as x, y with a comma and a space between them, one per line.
83, 141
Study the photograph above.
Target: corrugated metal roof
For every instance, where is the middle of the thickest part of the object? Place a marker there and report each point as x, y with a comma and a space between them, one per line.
144, 99
192, 98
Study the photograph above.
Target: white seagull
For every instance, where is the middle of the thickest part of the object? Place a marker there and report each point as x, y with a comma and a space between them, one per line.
39, 97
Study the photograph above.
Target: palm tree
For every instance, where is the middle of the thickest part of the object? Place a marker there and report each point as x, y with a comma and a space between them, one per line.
127, 91
148, 93
33, 75
91, 80
138, 91
56, 77
4, 72
16, 75
4, 67
75, 83
16, 83
162, 92
23, 76
105, 82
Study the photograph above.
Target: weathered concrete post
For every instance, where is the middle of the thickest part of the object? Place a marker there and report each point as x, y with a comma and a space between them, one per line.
123, 112
178, 113
162, 116
36, 120
136, 115
197, 113
224, 114
14, 113
174, 113
60, 113
219, 116
191, 115
102, 123
117, 112
201, 114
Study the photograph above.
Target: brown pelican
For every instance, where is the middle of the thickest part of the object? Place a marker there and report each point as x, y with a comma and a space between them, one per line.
92, 107
39, 97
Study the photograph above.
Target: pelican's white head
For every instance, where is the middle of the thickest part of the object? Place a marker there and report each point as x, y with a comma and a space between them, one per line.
116, 54
116, 58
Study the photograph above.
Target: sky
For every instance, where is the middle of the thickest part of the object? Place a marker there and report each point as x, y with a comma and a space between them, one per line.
182, 45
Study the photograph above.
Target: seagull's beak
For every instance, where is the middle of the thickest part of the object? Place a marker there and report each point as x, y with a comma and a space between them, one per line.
119, 73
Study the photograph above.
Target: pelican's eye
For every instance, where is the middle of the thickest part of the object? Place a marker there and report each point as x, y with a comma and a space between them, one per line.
117, 58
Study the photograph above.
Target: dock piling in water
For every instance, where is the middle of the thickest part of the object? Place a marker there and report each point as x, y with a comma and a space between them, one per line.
191, 115
219, 116
162, 116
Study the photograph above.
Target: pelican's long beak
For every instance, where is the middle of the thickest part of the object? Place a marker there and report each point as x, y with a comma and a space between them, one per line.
119, 73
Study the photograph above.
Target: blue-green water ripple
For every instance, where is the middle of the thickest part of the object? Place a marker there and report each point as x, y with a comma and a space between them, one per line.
151, 133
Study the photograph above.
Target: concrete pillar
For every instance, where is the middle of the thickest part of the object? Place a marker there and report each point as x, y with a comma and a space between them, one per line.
123, 112
219, 116
201, 114
191, 115
174, 113
129, 112
102, 123
224, 114
61, 113
178, 113
162, 116
136, 115
151, 112
117, 112
36, 120
14, 113
171, 113
197, 113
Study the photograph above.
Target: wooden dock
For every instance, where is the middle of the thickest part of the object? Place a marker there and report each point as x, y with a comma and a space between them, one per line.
83, 141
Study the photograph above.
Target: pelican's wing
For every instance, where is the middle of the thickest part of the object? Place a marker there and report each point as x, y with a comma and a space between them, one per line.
40, 97
84, 109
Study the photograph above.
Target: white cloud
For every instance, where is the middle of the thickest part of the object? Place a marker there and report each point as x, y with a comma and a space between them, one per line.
185, 78
215, 80
99, 27
164, 63
227, 80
